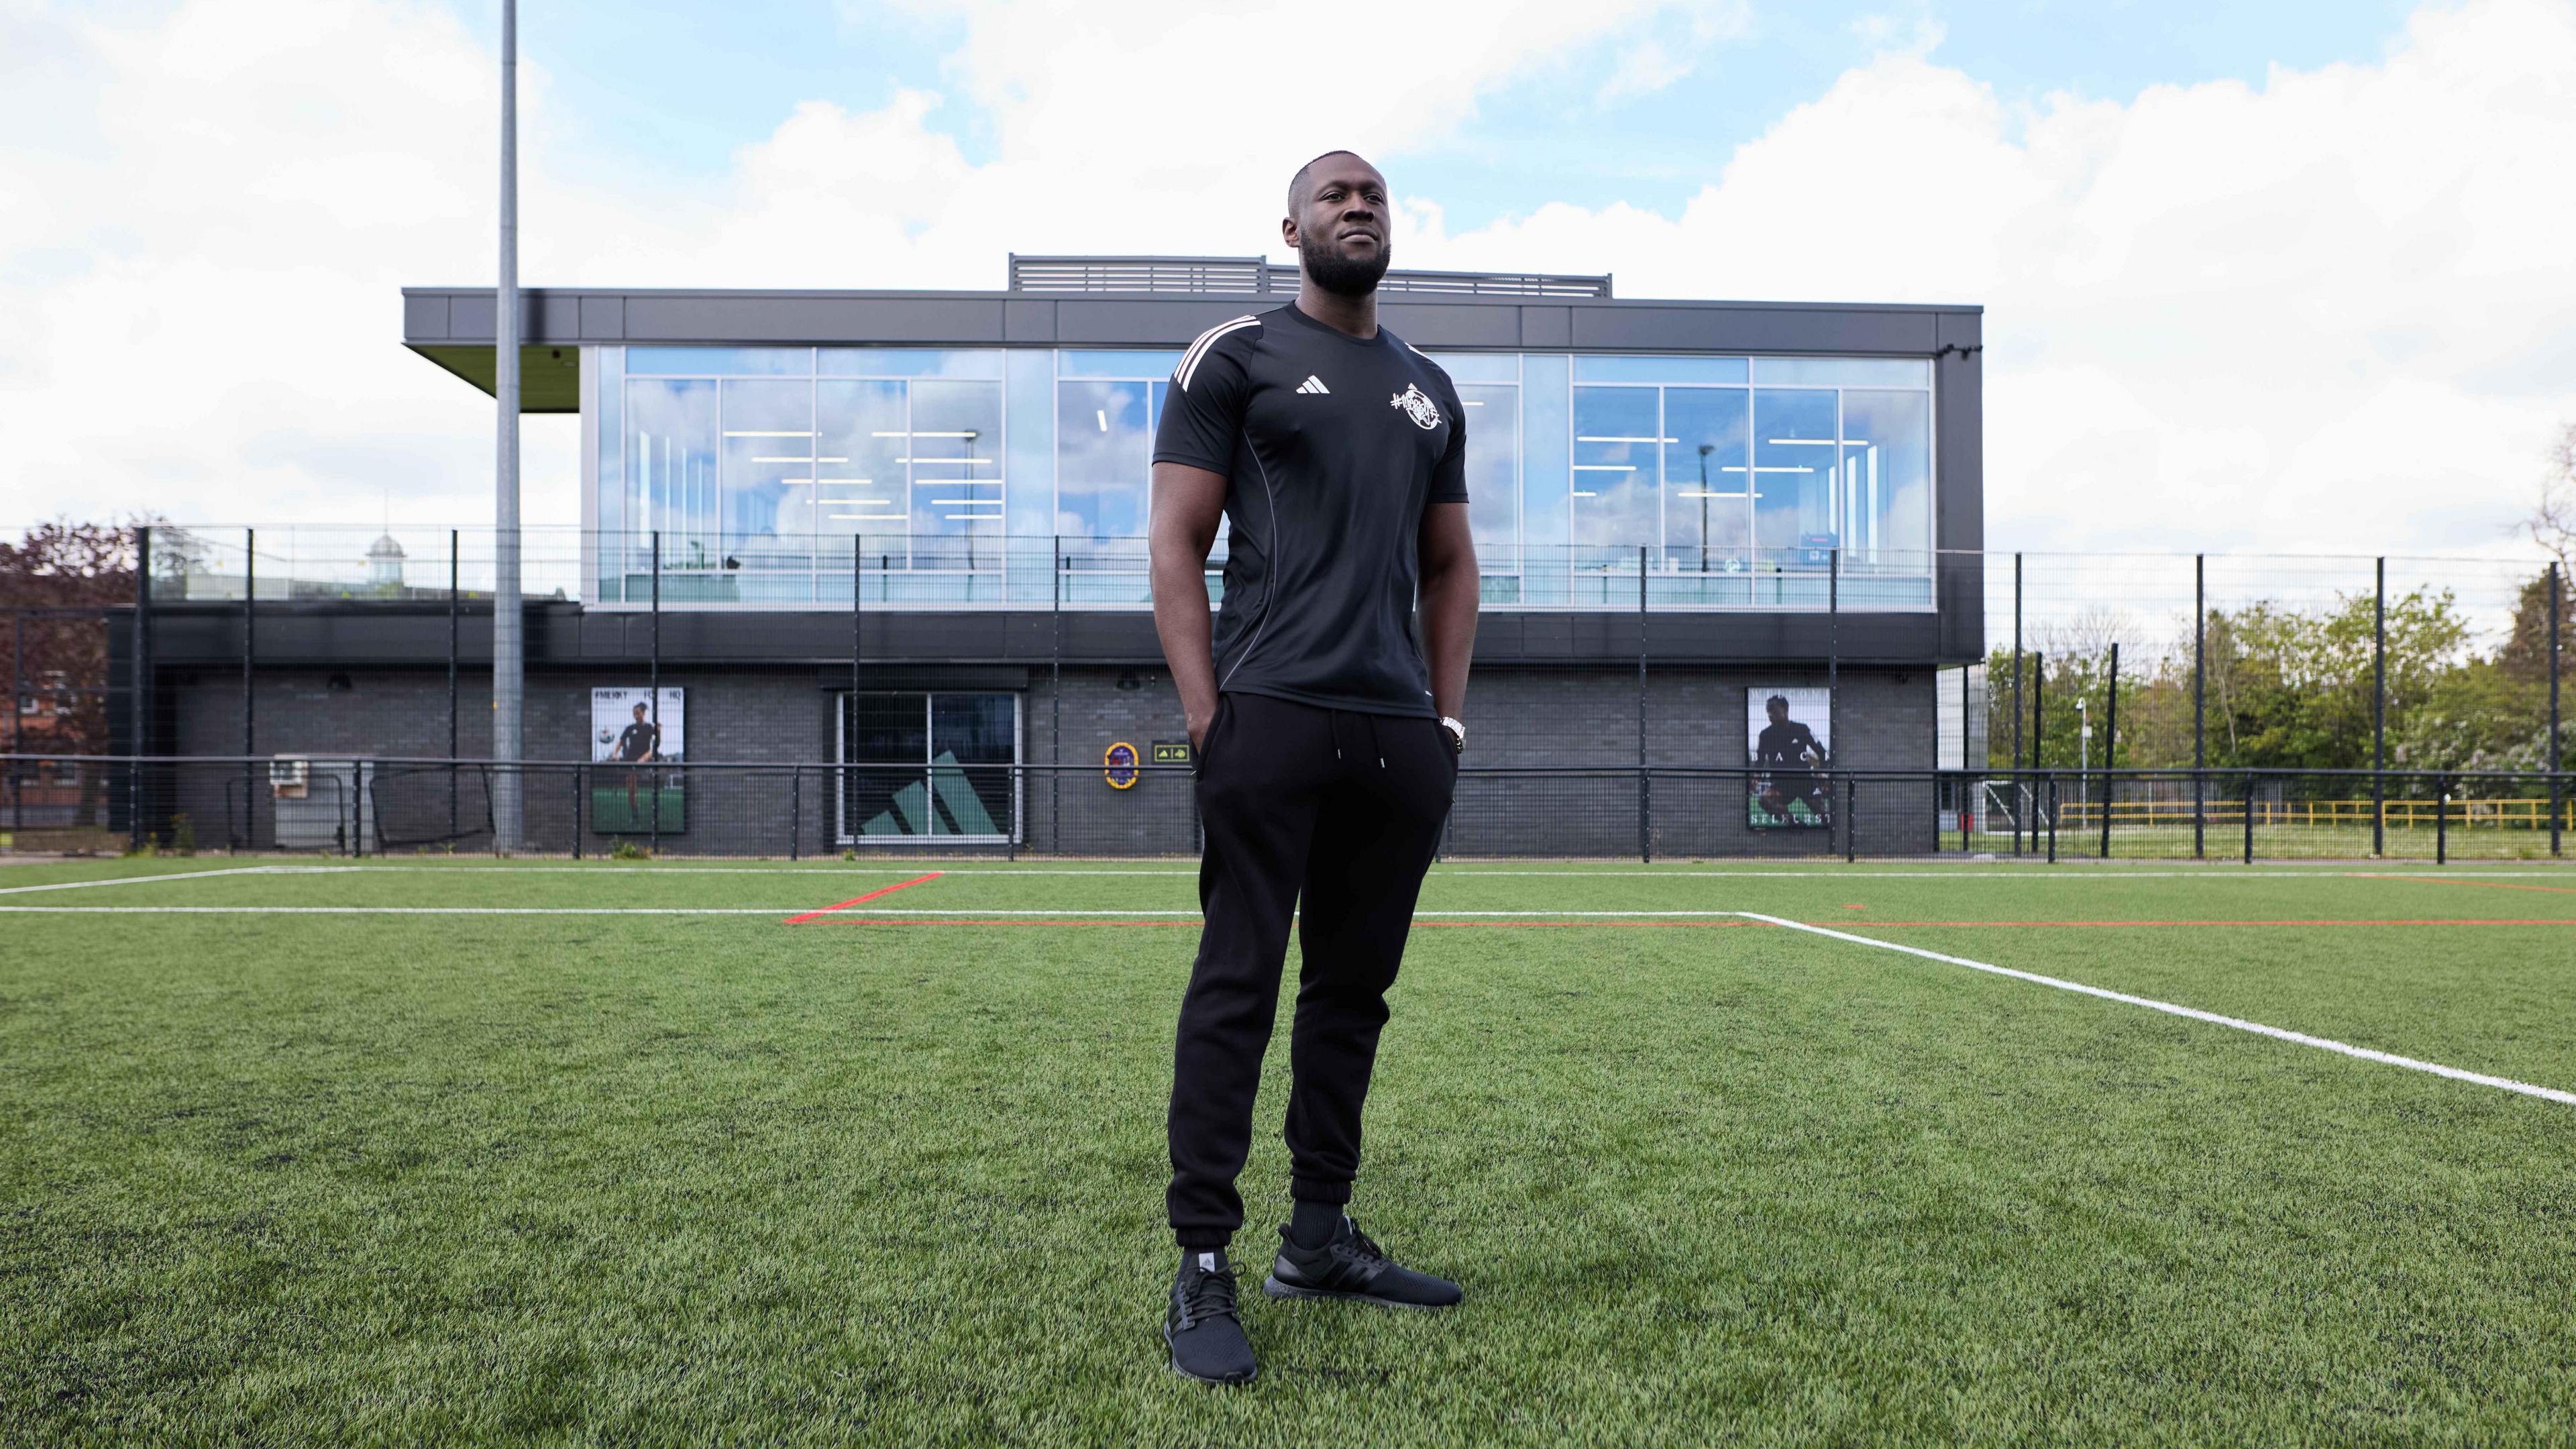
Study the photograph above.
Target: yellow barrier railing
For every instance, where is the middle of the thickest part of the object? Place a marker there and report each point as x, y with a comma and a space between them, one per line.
2401, 814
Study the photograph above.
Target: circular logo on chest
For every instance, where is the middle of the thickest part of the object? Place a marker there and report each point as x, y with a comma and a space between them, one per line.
1418, 406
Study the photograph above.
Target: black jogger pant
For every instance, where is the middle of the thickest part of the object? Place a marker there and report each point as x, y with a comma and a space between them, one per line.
1343, 810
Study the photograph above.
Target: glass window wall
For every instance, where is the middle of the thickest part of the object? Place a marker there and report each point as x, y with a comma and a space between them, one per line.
971, 472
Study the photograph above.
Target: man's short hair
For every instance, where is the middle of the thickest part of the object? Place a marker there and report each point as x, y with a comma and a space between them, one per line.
1297, 183
1781, 700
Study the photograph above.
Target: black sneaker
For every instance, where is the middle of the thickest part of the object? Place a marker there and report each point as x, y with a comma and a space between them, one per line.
1206, 1337
1350, 1266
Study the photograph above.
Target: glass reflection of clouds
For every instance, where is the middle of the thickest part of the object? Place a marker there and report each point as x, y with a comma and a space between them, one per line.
1103, 457
1618, 432
766, 460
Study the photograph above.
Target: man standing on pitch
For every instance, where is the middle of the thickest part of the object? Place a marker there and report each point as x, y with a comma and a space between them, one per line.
1327, 735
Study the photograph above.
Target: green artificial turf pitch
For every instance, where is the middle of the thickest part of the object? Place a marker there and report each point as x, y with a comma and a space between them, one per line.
615, 1153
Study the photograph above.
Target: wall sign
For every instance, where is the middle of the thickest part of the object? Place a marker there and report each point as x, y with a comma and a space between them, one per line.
635, 737
1789, 742
1118, 766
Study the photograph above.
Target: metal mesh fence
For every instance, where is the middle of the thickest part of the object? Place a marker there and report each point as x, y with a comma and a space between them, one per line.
365, 807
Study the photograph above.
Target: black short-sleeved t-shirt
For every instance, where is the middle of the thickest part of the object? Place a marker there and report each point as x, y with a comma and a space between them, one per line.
1331, 447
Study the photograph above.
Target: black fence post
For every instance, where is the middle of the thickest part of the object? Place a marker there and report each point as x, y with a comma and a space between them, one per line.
140, 645
575, 774
2441, 821
2557, 760
17, 721
653, 693
795, 809
2110, 749
1055, 700
2379, 711
2038, 737
843, 788
2199, 705
1644, 850
1851, 820
1641, 656
1834, 644
2017, 704
2249, 817
250, 651
453, 576
1645, 816
2052, 819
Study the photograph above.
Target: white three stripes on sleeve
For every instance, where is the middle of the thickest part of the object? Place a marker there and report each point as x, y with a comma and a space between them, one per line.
1190, 360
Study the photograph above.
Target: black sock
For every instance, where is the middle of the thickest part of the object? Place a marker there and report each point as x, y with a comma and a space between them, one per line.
1313, 1224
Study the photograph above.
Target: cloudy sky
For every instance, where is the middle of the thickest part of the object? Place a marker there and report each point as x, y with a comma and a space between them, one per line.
2280, 277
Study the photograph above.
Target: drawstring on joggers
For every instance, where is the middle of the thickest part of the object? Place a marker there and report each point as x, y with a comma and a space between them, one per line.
1375, 747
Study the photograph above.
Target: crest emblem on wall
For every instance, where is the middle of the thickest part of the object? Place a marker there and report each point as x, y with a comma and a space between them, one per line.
1418, 406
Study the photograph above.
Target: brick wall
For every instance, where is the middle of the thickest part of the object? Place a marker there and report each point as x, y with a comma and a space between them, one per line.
1552, 719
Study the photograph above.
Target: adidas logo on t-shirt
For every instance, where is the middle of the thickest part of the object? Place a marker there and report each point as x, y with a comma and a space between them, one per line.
1313, 384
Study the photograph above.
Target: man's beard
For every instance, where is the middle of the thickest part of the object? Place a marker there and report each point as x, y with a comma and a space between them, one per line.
1340, 275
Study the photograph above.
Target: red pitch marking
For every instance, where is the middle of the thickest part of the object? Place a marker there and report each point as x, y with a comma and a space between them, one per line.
1855, 908
861, 900
2493, 885
1014, 921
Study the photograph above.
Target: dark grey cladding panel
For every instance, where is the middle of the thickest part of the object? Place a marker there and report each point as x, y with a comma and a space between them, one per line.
424, 318
469, 317
1025, 320
928, 676
1452, 326
603, 319
432, 315
1755, 329
1959, 394
1547, 326
1147, 321
823, 318
543, 317
561, 635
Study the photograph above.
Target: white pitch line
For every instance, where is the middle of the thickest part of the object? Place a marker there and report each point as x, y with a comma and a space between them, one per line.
73, 885
403, 910
2507, 1084
2072, 873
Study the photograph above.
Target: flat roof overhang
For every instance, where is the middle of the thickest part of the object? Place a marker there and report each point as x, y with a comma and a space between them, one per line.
453, 326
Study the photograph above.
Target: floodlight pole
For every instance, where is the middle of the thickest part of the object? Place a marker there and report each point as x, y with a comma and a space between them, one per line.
509, 645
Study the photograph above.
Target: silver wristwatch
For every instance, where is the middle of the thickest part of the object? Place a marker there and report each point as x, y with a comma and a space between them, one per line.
1457, 733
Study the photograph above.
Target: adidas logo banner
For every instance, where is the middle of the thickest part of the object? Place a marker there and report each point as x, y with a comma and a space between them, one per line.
1313, 384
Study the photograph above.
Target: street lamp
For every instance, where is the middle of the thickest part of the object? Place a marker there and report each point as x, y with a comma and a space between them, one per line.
1704, 450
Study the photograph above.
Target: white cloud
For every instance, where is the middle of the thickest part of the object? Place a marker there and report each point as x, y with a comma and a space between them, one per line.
2330, 312
1645, 68
206, 211
2325, 312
